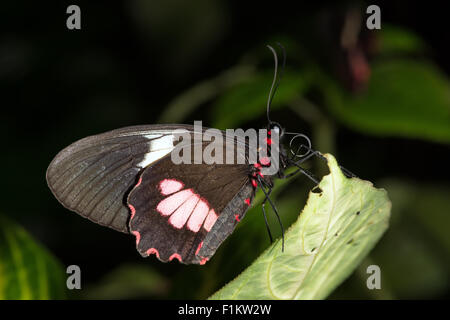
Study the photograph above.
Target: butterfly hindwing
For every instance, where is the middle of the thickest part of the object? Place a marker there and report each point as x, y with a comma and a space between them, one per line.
185, 211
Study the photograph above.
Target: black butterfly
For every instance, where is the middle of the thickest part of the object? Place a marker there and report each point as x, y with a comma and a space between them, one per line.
124, 179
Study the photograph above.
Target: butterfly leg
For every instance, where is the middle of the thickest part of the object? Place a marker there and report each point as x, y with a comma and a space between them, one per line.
302, 170
267, 198
263, 205
319, 155
309, 155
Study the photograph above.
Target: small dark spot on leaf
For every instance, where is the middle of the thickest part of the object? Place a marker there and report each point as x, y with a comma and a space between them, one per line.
336, 234
312, 250
358, 213
316, 190
350, 241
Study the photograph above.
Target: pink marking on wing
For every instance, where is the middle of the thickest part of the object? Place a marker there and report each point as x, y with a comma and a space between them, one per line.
153, 251
257, 166
236, 217
269, 141
203, 261
181, 215
170, 204
133, 210
139, 182
265, 161
210, 220
247, 201
138, 236
254, 184
175, 256
198, 216
200, 245
169, 186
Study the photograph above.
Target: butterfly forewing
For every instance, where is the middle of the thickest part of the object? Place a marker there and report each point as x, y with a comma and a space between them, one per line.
125, 179
93, 175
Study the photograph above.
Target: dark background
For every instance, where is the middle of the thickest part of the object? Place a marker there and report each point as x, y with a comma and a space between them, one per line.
130, 60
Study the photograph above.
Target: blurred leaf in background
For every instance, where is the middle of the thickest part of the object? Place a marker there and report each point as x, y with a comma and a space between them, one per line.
128, 281
246, 101
27, 270
415, 253
395, 40
405, 98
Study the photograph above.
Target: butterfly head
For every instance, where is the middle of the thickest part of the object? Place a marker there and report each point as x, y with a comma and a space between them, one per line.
276, 128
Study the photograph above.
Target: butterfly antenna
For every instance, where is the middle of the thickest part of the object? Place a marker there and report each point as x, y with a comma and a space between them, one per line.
276, 77
283, 66
273, 87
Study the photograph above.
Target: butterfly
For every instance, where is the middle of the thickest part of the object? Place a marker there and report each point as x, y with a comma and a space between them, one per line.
125, 179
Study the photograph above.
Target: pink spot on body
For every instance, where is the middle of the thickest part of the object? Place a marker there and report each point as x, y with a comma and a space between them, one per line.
138, 236
169, 186
175, 256
247, 201
254, 184
203, 261
257, 166
265, 161
170, 204
269, 141
210, 220
153, 251
181, 215
236, 217
198, 216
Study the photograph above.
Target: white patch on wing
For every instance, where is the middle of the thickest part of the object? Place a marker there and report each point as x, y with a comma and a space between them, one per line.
159, 147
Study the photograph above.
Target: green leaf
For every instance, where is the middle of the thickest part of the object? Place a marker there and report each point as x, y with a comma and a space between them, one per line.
419, 230
188, 101
422, 203
404, 98
248, 100
129, 281
395, 40
335, 231
426, 274
27, 270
